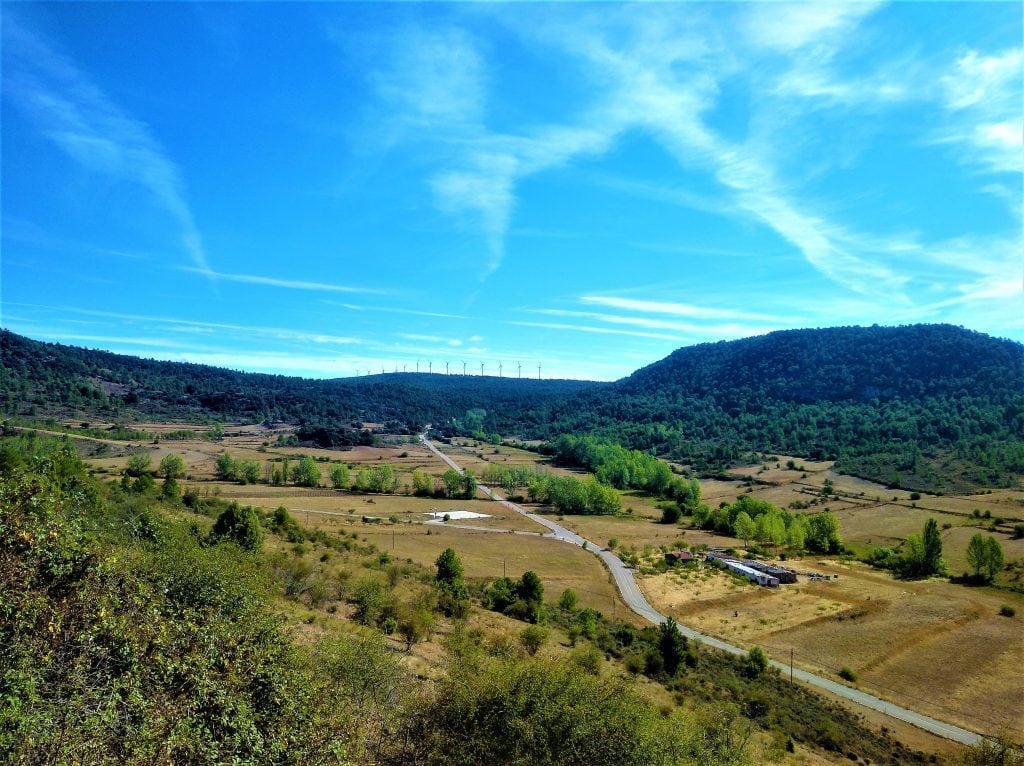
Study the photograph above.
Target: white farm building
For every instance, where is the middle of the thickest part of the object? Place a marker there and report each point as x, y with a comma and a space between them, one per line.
761, 578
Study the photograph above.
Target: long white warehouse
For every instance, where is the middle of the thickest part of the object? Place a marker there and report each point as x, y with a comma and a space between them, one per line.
749, 572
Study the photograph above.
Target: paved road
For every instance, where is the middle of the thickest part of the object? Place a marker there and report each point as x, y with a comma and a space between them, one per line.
634, 598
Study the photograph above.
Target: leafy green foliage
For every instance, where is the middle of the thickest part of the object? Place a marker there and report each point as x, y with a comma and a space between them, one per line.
453, 598
491, 712
919, 556
985, 556
145, 649
571, 495
523, 599
239, 525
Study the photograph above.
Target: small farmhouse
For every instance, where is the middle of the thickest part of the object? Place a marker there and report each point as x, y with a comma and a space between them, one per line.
678, 557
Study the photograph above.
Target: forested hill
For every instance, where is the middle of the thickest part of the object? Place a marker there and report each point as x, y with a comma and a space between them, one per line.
46, 378
855, 364
930, 407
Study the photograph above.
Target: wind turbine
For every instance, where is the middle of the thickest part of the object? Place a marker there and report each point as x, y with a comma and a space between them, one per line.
520, 370
499, 368
446, 367
463, 368
430, 367
481, 369
417, 365
404, 366
538, 370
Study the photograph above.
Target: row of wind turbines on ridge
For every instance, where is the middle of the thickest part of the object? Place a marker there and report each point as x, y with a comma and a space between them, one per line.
430, 368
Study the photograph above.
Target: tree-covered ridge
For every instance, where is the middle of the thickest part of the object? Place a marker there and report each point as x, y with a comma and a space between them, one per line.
927, 407
49, 376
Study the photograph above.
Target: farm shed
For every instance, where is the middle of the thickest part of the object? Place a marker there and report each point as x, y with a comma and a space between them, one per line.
784, 575
740, 568
679, 557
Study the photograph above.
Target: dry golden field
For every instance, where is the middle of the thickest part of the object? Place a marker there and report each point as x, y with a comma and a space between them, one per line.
934, 646
938, 648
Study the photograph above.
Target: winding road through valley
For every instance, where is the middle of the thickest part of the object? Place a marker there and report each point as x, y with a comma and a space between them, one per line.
634, 598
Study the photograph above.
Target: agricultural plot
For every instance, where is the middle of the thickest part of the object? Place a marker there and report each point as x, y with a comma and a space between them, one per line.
936, 647
486, 555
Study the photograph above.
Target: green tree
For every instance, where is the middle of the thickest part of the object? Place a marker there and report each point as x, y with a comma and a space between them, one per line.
771, 529
453, 596
449, 568
247, 471
568, 600
508, 483
225, 468
670, 514
170, 490
422, 483
138, 464
530, 592
744, 527
339, 476
452, 481
796, 532
240, 525
672, 646
469, 485
985, 556
306, 473
933, 562
533, 637
756, 662
172, 466
823, 533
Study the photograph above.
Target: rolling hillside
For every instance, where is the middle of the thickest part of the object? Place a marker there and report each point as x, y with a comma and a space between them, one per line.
930, 407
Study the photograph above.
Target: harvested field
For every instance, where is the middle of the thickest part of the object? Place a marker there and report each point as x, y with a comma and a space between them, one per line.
933, 646
486, 555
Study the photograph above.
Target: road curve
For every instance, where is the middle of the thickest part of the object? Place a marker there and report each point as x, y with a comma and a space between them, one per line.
635, 600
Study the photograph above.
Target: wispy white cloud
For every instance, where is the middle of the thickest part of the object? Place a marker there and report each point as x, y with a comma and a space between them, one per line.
73, 112
677, 309
792, 26
287, 284
599, 330
394, 310
657, 73
982, 95
179, 324
727, 330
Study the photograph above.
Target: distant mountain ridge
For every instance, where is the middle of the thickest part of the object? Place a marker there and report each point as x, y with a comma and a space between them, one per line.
932, 407
53, 377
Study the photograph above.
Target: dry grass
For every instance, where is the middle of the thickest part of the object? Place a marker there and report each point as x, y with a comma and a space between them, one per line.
932, 646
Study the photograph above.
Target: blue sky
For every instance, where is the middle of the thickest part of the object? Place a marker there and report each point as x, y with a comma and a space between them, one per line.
330, 188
